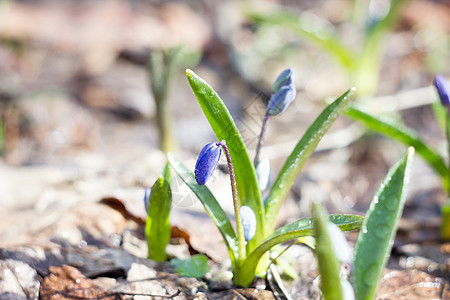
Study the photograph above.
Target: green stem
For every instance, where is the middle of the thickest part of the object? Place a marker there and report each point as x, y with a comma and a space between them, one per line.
260, 140
236, 204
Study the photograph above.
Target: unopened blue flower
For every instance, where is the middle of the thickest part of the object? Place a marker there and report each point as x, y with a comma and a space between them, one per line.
147, 198
443, 89
207, 162
281, 100
263, 173
286, 78
248, 222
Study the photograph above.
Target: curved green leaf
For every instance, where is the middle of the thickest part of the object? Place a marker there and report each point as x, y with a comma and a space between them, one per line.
329, 266
401, 133
225, 129
288, 232
299, 155
211, 205
377, 234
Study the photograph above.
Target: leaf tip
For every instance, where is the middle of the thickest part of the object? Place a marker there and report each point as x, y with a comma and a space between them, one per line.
189, 73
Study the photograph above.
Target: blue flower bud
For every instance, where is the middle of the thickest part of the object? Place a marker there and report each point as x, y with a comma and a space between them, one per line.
147, 198
207, 162
248, 222
263, 173
281, 100
286, 77
443, 89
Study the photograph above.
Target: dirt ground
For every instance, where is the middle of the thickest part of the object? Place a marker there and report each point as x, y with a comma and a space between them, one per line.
80, 143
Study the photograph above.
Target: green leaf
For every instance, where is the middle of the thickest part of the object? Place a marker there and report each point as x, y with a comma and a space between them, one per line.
440, 113
195, 266
329, 266
288, 232
211, 206
376, 237
309, 241
299, 155
225, 129
157, 227
401, 133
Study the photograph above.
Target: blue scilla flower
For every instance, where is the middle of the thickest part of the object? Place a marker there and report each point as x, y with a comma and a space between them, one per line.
207, 162
286, 77
281, 99
248, 222
147, 198
443, 89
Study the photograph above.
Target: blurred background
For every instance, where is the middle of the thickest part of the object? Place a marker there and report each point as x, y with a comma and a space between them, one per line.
89, 89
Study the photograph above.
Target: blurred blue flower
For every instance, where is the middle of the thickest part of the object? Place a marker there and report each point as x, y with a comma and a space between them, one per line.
443, 89
147, 198
248, 222
207, 162
281, 99
286, 77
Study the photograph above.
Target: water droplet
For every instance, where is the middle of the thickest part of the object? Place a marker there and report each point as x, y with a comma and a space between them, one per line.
389, 178
364, 229
375, 199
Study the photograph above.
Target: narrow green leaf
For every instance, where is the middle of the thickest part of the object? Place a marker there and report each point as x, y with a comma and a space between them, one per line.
377, 234
195, 266
288, 232
157, 227
225, 129
212, 207
299, 155
401, 133
329, 266
440, 113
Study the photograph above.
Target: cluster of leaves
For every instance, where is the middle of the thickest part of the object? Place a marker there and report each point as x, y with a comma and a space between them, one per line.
251, 260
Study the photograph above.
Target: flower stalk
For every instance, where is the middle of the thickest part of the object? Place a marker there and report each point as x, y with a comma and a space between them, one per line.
260, 139
236, 203
283, 93
206, 164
